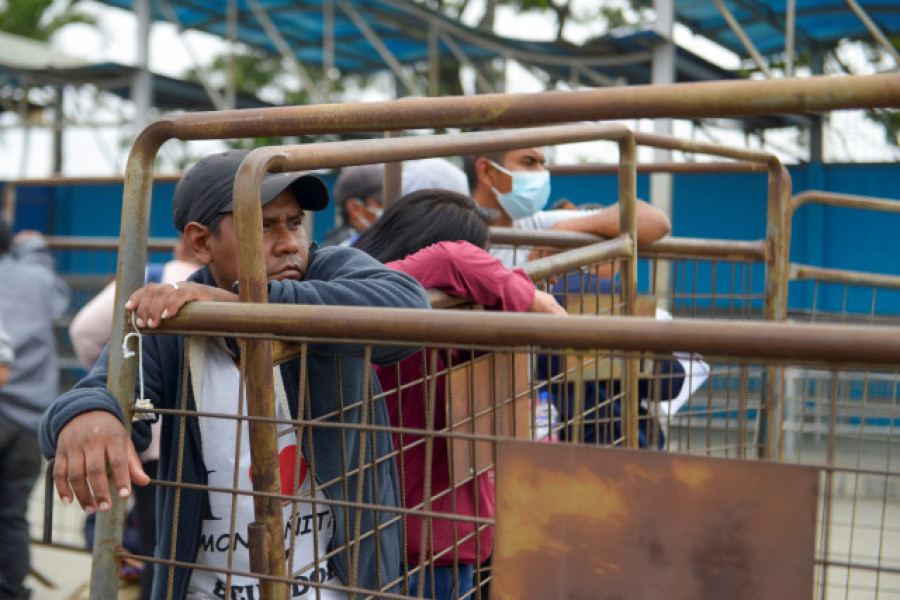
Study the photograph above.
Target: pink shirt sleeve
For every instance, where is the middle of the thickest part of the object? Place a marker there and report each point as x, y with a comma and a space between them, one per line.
464, 270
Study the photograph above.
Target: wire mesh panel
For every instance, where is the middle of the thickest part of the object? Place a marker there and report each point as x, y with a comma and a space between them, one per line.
848, 419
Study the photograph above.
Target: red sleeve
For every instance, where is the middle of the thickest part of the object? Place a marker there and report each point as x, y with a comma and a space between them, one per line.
464, 270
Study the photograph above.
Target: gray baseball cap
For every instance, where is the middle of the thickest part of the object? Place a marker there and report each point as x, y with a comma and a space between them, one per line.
205, 190
360, 181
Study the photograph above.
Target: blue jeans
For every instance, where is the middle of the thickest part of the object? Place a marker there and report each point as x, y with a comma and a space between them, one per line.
20, 465
444, 582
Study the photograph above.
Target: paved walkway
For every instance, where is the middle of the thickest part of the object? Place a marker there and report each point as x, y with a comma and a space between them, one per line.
65, 570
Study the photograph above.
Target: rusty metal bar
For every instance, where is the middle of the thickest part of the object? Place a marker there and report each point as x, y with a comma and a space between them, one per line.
697, 247
849, 345
132, 258
669, 167
259, 382
66, 242
680, 100
79, 180
845, 200
778, 238
628, 276
557, 264
392, 185
712, 248
807, 273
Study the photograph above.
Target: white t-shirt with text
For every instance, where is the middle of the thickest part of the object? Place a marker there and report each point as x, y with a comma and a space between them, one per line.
312, 526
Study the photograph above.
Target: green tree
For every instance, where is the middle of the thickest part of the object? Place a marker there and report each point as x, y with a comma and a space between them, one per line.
34, 19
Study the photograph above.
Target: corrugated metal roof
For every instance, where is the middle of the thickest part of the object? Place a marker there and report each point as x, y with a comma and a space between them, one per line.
820, 24
403, 28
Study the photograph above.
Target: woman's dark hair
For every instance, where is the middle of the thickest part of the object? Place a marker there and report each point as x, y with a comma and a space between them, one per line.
422, 218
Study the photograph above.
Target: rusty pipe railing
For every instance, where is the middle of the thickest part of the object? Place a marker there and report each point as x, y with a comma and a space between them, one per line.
845, 200
668, 167
66, 242
701, 247
777, 242
777, 263
843, 276
677, 100
253, 278
829, 345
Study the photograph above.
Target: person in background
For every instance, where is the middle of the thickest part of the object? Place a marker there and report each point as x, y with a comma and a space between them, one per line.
7, 354
358, 191
90, 332
32, 297
84, 426
438, 237
433, 173
357, 195
91, 327
516, 185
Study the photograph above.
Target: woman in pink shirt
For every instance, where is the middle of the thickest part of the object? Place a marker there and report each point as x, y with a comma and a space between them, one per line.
438, 237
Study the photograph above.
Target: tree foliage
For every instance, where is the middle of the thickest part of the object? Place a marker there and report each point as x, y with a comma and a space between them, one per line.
33, 19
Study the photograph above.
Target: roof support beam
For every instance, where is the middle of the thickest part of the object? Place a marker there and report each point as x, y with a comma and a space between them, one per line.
218, 101
597, 78
272, 31
789, 32
142, 85
662, 72
742, 35
230, 91
481, 82
434, 73
328, 46
383, 51
874, 30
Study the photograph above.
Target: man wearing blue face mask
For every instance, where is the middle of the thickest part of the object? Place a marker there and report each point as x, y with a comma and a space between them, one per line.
516, 186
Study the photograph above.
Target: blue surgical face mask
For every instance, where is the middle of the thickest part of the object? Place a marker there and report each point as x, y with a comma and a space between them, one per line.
529, 194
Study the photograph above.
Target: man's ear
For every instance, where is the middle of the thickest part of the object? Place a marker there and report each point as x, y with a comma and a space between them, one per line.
196, 238
487, 173
491, 177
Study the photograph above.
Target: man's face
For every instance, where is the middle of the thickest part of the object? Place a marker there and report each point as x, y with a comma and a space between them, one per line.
362, 213
527, 159
285, 243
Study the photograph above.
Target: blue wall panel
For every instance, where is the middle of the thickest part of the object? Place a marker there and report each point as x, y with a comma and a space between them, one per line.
731, 206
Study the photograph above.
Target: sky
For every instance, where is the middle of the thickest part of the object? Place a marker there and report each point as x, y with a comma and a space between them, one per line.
91, 150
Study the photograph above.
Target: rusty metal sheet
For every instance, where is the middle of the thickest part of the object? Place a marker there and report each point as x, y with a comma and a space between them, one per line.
585, 522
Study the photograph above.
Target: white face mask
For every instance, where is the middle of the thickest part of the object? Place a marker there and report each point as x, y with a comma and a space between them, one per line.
529, 194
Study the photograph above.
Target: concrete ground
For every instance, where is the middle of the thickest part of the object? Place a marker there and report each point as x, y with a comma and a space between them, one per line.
65, 570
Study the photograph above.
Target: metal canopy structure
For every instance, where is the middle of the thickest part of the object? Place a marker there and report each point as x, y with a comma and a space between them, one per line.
768, 28
818, 23
168, 93
364, 36
28, 63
